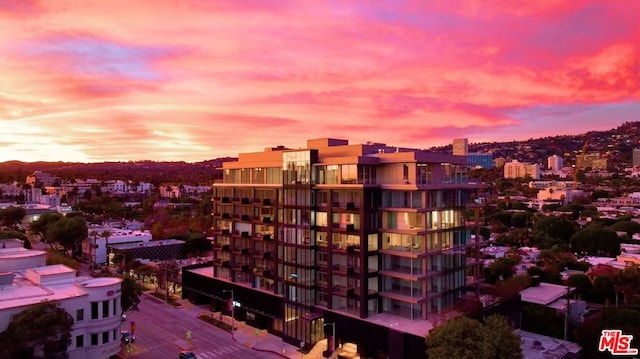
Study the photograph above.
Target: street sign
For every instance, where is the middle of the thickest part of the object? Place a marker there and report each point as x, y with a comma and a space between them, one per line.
188, 335
257, 332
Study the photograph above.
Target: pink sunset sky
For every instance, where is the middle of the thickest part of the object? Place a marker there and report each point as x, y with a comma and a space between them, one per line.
119, 80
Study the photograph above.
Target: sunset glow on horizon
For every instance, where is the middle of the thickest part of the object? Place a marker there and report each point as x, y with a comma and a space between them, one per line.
190, 80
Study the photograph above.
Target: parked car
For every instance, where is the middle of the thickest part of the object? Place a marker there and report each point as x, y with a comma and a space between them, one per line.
187, 355
126, 337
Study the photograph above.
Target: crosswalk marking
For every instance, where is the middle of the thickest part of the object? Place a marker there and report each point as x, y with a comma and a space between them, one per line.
227, 349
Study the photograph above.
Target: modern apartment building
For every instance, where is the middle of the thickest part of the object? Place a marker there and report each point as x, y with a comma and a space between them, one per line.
555, 163
515, 169
330, 236
460, 146
593, 161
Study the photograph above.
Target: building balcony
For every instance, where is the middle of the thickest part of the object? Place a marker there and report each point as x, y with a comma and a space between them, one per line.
245, 200
216, 246
226, 215
217, 199
217, 214
351, 206
263, 272
226, 247
236, 267
348, 249
235, 199
241, 250
245, 218
342, 291
342, 269
226, 200
407, 295
263, 237
267, 202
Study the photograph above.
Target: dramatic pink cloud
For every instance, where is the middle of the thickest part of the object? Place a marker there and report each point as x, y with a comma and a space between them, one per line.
193, 80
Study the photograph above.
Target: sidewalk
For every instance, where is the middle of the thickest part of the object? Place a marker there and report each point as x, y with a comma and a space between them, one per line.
264, 341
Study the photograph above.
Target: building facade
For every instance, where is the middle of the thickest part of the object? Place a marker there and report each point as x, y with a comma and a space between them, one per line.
515, 169
94, 303
341, 233
592, 160
555, 163
636, 157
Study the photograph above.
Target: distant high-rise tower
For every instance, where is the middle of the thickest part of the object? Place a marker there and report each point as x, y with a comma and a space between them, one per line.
636, 157
460, 146
554, 163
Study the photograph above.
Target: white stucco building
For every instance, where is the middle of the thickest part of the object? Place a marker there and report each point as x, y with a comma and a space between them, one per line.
94, 303
96, 246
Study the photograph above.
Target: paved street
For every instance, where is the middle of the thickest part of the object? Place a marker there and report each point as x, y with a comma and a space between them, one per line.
161, 332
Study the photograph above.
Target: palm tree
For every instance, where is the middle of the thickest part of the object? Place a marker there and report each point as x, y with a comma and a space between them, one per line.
106, 234
93, 233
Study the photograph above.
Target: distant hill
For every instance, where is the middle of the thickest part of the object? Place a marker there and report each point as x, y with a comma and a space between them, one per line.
615, 144
203, 173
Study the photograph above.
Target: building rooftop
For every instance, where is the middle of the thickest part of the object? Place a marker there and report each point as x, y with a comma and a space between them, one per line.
544, 293
164, 242
537, 346
24, 292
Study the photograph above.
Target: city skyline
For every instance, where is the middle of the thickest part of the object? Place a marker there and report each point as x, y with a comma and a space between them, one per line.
194, 80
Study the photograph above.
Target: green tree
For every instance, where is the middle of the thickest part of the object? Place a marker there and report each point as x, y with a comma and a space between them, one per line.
106, 234
69, 233
41, 330
9, 233
626, 226
582, 283
501, 268
521, 220
466, 338
40, 227
12, 216
555, 227
131, 292
596, 241
195, 244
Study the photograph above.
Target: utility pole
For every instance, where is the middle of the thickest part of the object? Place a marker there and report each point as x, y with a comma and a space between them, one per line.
567, 314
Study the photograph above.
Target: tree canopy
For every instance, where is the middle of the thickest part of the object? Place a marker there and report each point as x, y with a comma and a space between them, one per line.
40, 330
626, 226
466, 338
69, 233
556, 227
12, 216
596, 241
131, 292
41, 225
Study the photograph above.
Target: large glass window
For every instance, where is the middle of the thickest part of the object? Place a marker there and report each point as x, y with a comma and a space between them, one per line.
79, 341
94, 310
348, 174
332, 174
105, 308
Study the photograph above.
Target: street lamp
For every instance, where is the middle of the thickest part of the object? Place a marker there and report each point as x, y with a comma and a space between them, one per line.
333, 336
233, 304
